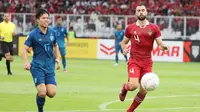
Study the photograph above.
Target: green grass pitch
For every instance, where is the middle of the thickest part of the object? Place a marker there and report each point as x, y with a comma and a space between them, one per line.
94, 85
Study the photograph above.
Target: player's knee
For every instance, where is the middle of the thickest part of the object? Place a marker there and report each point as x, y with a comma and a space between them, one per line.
51, 94
42, 94
63, 57
11, 58
8, 58
132, 86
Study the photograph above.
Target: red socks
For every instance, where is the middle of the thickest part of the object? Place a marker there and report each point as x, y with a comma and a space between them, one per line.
137, 100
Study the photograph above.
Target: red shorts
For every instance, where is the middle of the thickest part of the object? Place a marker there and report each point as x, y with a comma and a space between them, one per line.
137, 70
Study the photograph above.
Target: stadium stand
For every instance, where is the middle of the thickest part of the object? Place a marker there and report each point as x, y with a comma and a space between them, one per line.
115, 7
98, 18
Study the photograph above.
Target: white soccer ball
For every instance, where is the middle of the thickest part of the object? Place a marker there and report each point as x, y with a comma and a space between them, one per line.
150, 81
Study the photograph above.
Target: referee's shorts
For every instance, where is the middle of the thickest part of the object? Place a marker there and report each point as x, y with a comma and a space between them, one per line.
6, 47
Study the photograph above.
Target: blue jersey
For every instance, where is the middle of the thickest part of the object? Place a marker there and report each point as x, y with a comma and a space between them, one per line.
61, 33
42, 45
119, 35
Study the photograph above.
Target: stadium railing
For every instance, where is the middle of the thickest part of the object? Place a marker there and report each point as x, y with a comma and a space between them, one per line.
103, 26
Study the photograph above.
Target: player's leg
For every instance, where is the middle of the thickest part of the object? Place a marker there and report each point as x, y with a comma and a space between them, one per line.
50, 82
10, 56
137, 100
63, 53
51, 90
125, 56
1, 56
133, 80
6, 51
142, 92
1, 53
40, 97
38, 77
116, 54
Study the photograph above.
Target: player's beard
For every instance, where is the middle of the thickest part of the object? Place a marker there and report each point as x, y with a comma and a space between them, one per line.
141, 17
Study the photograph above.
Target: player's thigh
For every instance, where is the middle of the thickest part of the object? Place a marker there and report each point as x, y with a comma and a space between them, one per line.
134, 74
5, 50
51, 90
62, 51
133, 84
50, 82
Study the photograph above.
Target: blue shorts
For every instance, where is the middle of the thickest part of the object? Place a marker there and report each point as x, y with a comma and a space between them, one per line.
62, 51
118, 48
42, 76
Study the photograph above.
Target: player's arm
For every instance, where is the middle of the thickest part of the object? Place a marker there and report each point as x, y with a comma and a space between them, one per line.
159, 39
56, 54
1, 37
67, 37
25, 57
123, 44
161, 45
14, 28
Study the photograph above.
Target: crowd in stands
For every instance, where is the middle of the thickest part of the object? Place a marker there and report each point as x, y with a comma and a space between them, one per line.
106, 7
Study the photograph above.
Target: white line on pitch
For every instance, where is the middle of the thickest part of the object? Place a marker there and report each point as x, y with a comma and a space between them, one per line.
147, 109
104, 105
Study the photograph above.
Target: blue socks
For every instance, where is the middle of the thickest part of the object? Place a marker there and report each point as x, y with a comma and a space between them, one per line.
125, 56
40, 103
64, 63
116, 58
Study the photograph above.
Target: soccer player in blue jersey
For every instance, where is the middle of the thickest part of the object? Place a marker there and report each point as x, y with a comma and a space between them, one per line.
43, 41
119, 35
61, 34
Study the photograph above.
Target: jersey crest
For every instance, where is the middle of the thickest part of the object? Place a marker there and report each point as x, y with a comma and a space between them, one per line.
62, 29
150, 32
51, 37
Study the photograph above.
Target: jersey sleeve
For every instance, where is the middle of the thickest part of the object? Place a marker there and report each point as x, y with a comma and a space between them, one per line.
29, 40
157, 31
115, 34
127, 33
14, 27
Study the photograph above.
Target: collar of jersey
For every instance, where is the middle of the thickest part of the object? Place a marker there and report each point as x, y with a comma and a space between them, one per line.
38, 29
147, 23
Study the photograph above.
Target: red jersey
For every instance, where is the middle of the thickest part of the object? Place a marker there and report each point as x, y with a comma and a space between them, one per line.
142, 39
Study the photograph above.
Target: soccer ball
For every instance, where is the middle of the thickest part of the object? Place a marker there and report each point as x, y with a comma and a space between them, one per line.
150, 81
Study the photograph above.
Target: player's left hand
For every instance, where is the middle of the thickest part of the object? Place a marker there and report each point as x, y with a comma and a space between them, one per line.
1, 38
166, 48
58, 64
68, 42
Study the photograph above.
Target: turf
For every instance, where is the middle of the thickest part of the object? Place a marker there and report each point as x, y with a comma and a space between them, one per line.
90, 84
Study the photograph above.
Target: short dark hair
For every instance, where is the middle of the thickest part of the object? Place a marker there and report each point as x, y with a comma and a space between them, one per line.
40, 12
142, 4
58, 17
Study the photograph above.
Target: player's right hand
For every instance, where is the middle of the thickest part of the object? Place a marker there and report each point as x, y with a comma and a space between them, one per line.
125, 51
27, 66
58, 64
1, 38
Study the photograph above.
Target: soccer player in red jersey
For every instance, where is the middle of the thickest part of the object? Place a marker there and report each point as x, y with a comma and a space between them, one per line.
142, 35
